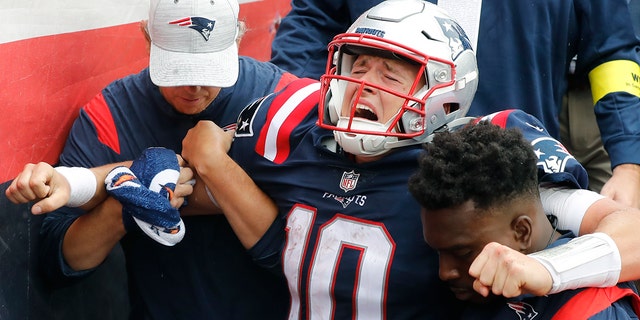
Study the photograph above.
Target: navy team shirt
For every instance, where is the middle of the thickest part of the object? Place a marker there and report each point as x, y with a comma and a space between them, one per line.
208, 275
353, 246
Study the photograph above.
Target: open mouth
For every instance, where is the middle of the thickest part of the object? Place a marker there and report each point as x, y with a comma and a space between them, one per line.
365, 113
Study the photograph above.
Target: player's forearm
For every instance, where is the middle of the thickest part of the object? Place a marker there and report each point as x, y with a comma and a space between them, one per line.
100, 174
93, 235
622, 227
249, 211
607, 246
85, 187
596, 213
621, 224
199, 201
607, 252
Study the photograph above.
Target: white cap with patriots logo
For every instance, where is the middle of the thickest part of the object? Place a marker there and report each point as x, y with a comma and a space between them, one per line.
193, 42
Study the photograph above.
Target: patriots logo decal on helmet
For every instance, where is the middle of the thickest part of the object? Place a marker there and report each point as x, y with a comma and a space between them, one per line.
458, 40
203, 25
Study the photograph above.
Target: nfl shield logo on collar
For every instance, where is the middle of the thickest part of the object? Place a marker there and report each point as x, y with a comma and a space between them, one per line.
349, 181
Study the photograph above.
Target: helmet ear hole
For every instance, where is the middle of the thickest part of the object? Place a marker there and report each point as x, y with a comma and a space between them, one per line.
451, 107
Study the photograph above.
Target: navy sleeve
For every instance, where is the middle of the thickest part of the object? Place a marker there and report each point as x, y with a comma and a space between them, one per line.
634, 8
52, 231
602, 37
300, 45
251, 122
266, 253
555, 164
607, 35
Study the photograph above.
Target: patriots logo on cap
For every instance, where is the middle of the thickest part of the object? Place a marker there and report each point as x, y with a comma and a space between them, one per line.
203, 25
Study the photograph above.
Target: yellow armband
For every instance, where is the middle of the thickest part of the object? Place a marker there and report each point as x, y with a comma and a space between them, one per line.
615, 76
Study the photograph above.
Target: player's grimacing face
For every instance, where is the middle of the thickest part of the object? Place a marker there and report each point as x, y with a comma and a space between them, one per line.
459, 234
190, 99
374, 104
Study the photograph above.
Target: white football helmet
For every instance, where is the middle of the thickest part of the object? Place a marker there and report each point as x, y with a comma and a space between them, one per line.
411, 30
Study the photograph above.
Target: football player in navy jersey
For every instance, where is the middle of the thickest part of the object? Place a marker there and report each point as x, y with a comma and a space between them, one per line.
477, 187
335, 157
353, 246
524, 52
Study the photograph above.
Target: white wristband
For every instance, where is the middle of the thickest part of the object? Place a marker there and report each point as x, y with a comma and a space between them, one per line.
568, 205
592, 260
82, 182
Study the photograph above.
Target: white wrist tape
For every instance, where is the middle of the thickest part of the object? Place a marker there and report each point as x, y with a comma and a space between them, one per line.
82, 182
568, 205
592, 260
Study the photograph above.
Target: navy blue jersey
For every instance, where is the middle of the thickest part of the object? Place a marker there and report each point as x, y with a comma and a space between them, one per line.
524, 50
353, 246
618, 302
208, 275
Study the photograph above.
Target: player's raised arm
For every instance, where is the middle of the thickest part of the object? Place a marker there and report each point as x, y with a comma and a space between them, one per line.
249, 210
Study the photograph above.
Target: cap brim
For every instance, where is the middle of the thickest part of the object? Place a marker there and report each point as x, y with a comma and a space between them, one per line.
216, 69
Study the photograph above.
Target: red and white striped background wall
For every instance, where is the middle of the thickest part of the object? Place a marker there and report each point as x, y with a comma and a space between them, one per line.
57, 54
